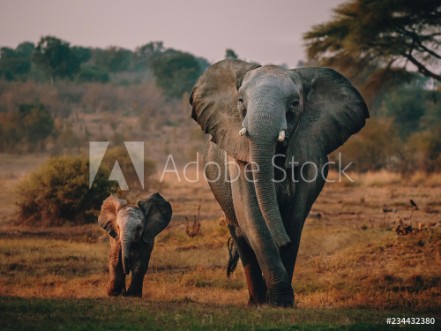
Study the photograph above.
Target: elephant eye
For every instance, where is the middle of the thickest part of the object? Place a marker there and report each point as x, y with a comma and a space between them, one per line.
241, 107
294, 104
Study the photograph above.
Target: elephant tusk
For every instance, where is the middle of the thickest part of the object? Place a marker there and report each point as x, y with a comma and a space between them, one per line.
281, 135
243, 132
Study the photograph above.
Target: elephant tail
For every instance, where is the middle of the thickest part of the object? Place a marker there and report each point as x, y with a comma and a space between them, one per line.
233, 254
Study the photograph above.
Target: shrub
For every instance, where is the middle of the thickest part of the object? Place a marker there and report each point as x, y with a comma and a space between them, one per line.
58, 192
407, 106
92, 74
375, 147
29, 126
424, 150
176, 72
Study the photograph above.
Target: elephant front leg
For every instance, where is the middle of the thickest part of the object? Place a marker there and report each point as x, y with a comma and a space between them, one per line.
253, 273
117, 283
260, 239
139, 269
296, 210
135, 287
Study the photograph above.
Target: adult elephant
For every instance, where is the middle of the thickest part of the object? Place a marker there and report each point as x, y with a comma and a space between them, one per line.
272, 129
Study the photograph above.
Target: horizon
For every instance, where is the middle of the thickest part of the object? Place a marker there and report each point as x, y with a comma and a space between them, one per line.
265, 36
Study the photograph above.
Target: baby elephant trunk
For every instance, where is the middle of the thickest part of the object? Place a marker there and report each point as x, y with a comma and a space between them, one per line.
125, 257
126, 265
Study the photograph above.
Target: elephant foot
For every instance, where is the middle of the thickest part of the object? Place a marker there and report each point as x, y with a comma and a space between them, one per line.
257, 298
284, 302
112, 292
116, 288
281, 298
254, 302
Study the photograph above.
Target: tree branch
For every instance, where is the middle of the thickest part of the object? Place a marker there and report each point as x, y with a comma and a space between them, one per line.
417, 39
421, 68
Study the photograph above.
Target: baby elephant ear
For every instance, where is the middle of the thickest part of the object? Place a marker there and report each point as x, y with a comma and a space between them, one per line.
107, 217
157, 215
214, 101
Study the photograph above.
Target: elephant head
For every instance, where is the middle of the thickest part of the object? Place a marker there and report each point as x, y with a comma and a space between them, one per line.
251, 110
130, 224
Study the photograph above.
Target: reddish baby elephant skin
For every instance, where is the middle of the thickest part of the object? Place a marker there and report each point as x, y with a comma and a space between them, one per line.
132, 230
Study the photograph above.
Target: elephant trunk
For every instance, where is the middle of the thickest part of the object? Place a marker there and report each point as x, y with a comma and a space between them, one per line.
264, 130
125, 250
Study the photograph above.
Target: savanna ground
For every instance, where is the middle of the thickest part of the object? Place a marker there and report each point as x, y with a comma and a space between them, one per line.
353, 270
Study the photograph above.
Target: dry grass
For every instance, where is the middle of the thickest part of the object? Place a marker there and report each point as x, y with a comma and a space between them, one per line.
337, 267
13, 167
384, 178
350, 255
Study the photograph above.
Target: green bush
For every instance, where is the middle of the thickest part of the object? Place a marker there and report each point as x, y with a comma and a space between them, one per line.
26, 128
375, 147
58, 192
92, 74
407, 106
424, 151
176, 72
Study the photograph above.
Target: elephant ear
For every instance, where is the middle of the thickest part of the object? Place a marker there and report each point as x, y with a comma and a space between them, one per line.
109, 210
157, 214
333, 111
214, 101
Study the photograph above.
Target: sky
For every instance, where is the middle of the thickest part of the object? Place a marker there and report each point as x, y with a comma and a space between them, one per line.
262, 31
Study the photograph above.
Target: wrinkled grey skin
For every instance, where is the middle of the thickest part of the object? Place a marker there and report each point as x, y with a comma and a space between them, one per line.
319, 110
132, 231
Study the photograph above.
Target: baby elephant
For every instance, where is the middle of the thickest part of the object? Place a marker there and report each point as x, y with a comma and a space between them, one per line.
132, 231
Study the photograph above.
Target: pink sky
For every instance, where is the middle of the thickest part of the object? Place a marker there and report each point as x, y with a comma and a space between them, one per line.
263, 31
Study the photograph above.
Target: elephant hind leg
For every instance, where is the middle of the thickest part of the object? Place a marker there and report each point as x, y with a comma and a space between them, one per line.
233, 253
253, 273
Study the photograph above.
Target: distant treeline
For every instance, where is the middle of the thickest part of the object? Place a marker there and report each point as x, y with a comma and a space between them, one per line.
56, 98
54, 59
403, 133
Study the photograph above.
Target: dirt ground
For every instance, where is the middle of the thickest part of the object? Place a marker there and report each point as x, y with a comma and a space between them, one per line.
351, 256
